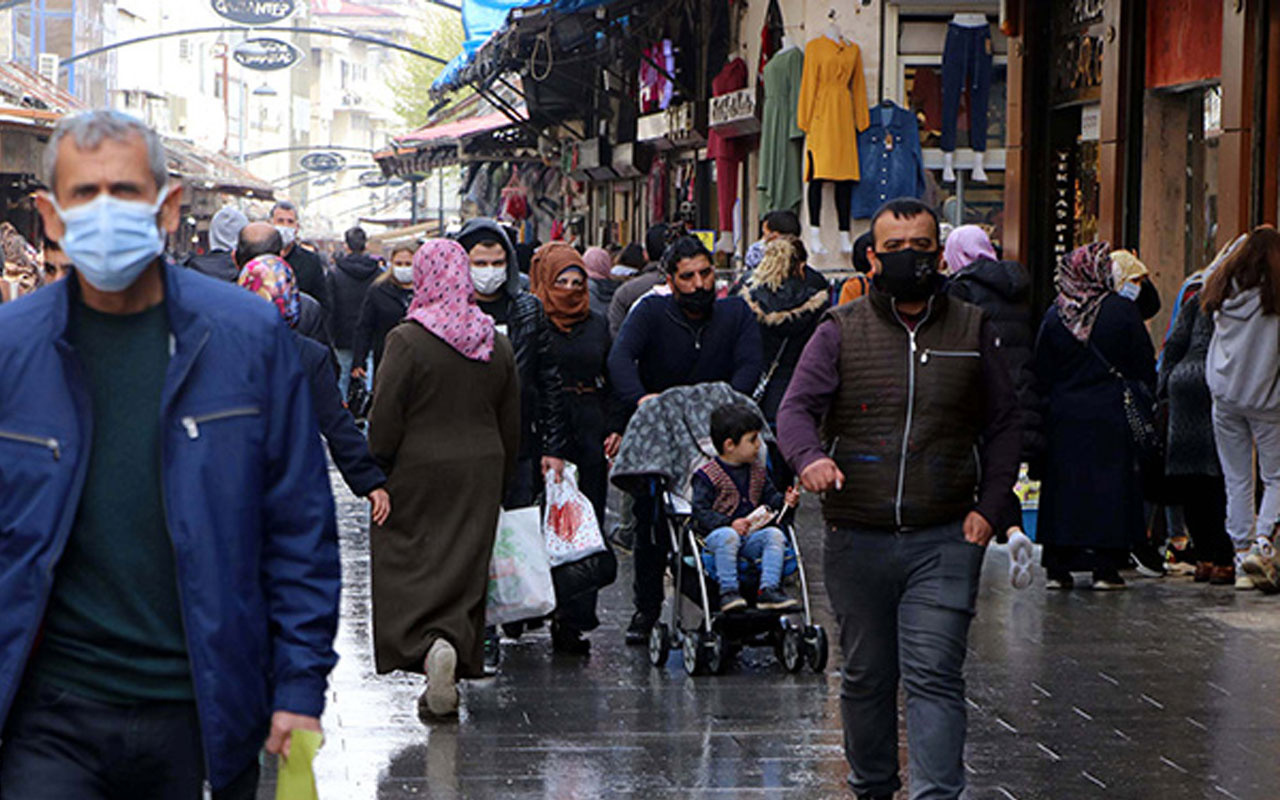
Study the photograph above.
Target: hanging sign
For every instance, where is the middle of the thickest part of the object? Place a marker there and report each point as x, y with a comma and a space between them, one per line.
266, 54
253, 12
322, 162
372, 179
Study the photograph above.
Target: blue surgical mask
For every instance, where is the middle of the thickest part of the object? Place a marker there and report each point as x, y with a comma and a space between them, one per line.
111, 241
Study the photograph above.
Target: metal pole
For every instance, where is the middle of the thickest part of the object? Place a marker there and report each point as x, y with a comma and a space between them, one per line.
244, 112
413, 201
440, 219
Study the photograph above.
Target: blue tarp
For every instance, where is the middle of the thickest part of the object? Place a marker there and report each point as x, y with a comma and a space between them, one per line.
483, 18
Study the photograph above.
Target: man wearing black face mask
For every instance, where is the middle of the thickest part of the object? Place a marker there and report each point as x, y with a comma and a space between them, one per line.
680, 339
902, 414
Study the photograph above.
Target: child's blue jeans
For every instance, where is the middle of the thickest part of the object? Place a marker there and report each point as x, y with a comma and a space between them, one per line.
767, 544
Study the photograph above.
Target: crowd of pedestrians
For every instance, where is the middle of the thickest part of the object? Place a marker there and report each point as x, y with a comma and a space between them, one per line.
170, 542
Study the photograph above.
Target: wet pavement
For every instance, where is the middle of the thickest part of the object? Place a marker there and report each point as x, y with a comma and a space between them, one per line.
1167, 690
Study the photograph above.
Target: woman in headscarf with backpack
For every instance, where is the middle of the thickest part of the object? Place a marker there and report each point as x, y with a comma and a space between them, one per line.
1092, 349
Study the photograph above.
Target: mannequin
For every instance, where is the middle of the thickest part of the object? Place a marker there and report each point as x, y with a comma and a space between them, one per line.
832, 109
966, 59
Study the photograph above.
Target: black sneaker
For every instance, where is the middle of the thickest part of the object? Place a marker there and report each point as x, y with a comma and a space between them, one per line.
492, 651
1107, 581
732, 601
1060, 581
568, 641
774, 599
638, 630
1147, 561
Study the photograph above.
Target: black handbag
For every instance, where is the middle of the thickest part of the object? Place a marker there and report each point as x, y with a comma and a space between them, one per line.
359, 398
1140, 413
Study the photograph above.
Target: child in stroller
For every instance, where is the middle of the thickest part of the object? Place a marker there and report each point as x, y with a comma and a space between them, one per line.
734, 504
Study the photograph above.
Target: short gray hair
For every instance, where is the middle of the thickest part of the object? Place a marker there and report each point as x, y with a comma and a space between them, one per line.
89, 129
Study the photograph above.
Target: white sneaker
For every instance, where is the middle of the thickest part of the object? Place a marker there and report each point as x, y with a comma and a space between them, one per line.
441, 696
1019, 559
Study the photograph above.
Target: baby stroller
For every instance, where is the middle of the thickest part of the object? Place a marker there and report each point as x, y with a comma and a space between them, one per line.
665, 443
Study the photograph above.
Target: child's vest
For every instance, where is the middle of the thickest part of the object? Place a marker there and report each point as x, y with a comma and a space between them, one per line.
728, 498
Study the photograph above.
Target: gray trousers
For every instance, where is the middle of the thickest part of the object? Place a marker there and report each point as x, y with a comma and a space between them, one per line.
904, 602
1237, 434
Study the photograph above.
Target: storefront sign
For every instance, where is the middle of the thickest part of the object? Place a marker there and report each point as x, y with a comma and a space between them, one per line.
735, 114
677, 127
1091, 123
372, 179
254, 12
323, 162
266, 54
1064, 210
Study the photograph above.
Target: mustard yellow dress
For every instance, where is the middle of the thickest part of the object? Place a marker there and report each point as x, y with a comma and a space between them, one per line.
832, 109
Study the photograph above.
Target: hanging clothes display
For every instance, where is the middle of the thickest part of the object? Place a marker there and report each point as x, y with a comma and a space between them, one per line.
658, 191
771, 35
781, 139
891, 160
655, 90
966, 60
727, 151
832, 108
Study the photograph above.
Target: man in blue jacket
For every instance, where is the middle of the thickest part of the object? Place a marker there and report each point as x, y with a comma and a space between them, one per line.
680, 339
168, 552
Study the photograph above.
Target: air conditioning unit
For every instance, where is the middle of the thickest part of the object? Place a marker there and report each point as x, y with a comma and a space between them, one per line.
47, 66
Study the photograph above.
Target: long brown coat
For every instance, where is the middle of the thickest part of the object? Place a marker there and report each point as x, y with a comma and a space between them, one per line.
446, 431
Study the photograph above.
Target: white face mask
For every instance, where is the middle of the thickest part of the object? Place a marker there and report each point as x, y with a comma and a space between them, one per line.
488, 280
403, 274
287, 233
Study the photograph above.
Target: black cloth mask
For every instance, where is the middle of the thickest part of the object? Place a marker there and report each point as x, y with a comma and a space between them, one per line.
909, 275
699, 302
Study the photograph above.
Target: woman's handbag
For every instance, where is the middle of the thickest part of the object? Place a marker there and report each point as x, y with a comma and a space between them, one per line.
1140, 413
570, 526
519, 575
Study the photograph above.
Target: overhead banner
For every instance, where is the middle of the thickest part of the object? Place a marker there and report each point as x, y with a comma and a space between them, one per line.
254, 12
323, 162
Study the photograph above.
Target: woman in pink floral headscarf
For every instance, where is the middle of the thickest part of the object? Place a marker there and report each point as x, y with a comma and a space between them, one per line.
445, 427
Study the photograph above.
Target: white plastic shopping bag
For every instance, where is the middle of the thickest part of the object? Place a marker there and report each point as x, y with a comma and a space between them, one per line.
519, 575
570, 525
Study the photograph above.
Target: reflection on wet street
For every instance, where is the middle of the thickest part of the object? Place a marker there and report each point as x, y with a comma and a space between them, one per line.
1165, 691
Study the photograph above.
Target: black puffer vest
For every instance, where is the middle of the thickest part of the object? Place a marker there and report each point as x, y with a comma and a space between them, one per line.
905, 421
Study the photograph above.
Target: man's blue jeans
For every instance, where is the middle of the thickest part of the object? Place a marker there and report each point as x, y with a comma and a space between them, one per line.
767, 544
904, 602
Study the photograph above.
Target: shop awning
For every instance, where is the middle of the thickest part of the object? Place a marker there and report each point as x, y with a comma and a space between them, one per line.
208, 170
20, 88
456, 130
484, 22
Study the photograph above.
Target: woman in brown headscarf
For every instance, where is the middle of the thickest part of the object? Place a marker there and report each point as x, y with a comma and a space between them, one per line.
580, 345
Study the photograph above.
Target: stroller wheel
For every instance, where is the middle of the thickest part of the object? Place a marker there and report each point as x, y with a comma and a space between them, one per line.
792, 649
659, 644
695, 652
816, 648
718, 653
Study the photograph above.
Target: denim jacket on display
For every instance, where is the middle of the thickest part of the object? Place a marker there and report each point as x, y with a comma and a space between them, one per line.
888, 172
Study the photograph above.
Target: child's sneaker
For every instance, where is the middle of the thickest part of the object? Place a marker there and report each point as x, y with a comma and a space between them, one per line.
1260, 565
774, 599
732, 601
1019, 559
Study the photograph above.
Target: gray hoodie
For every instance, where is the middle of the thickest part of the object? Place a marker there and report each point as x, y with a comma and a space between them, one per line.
1243, 366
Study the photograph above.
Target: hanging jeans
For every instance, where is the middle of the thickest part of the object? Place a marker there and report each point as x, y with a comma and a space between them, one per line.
844, 202
966, 59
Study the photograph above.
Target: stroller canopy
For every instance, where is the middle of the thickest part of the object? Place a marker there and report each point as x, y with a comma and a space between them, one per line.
669, 437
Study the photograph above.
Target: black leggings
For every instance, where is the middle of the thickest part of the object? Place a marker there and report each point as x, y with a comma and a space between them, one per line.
1204, 505
844, 202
